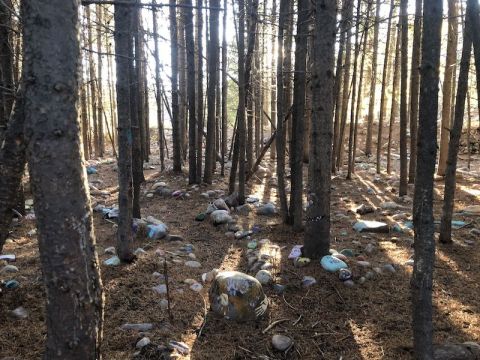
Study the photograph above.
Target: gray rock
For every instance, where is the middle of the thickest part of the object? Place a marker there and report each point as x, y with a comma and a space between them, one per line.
221, 205
242, 234
244, 209
232, 200
281, 342
267, 209
111, 250
113, 261
143, 342
308, 281
220, 217
160, 289
389, 268
164, 304
193, 264
9, 269
20, 313
264, 277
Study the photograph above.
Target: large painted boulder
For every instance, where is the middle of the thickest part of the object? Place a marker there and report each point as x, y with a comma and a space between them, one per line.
237, 296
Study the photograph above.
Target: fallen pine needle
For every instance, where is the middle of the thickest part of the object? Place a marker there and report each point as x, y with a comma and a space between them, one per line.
273, 324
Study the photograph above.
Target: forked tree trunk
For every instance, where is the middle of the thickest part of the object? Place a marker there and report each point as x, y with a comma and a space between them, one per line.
317, 227
74, 309
424, 243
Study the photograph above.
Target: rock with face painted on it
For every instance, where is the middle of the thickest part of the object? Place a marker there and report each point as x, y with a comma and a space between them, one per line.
238, 296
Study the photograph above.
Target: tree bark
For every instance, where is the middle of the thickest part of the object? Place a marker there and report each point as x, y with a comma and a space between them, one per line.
99, 81
273, 89
394, 108
424, 243
298, 114
74, 310
455, 133
224, 89
317, 228
199, 20
176, 130
414, 89
125, 198
211, 99
242, 81
93, 93
373, 84
403, 99
7, 89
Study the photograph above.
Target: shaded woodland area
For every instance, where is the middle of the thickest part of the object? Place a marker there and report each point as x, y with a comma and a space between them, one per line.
249, 179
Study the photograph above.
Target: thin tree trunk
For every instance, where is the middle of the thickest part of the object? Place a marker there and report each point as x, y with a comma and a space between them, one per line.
211, 99
224, 89
385, 80
317, 228
7, 85
273, 89
192, 121
280, 139
455, 133
176, 130
394, 107
74, 305
424, 243
125, 183
199, 103
414, 89
182, 83
298, 115
373, 83
93, 96
447, 86
403, 99
242, 80
99, 81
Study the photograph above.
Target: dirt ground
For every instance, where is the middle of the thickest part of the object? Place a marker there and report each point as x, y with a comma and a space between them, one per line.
326, 321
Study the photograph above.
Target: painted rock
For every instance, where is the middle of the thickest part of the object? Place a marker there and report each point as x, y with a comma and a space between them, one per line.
332, 264
237, 296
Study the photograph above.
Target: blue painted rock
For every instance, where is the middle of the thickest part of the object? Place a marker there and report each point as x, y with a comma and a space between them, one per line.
332, 264
237, 296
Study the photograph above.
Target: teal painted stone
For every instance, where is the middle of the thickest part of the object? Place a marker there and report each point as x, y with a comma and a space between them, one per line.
332, 264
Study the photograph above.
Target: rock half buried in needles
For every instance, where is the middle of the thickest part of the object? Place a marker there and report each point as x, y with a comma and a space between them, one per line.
237, 296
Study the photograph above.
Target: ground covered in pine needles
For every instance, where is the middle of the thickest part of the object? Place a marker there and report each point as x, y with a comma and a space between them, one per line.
326, 321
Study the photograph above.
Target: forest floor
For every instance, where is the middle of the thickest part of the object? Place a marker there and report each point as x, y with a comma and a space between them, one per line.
326, 321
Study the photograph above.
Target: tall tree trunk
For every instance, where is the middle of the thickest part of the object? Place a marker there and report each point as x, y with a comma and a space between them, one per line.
455, 133
424, 243
298, 115
224, 89
99, 81
74, 310
373, 84
192, 121
395, 106
123, 42
414, 89
242, 80
212, 82
385, 83
176, 130
317, 228
93, 93
199, 20
182, 83
450, 61
273, 89
346, 82
280, 138
403, 100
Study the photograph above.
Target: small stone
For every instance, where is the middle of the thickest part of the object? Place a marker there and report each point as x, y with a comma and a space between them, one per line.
369, 248
139, 251
332, 264
364, 209
400, 216
371, 226
410, 262
252, 199
137, 327
389, 268
193, 264
149, 195
341, 257
175, 238
369, 275
113, 261
264, 277
111, 250
143, 342
12, 284
181, 347
266, 266
221, 205
158, 275
209, 276
200, 217
390, 205
362, 280
9, 269
349, 283
164, 304
281, 342
252, 244
197, 287
189, 281
279, 289
20, 313
364, 264
344, 274
348, 252
308, 281
160, 289
243, 209
157, 231
241, 234
158, 185
192, 256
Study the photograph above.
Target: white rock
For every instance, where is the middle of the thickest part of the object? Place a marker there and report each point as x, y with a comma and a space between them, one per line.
281, 342
143, 342
111, 250
220, 217
193, 264
160, 289
164, 304
264, 277
197, 287
20, 313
